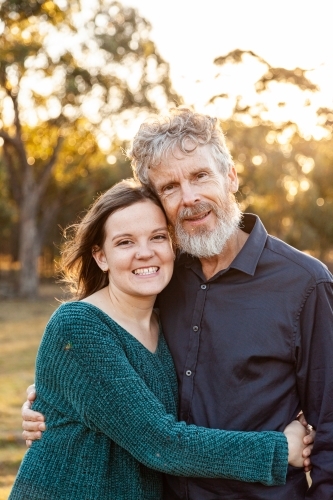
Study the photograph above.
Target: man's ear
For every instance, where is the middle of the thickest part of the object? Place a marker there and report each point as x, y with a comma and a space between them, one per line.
233, 180
100, 258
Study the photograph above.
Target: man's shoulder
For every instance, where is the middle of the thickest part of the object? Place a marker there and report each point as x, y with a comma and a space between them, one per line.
298, 260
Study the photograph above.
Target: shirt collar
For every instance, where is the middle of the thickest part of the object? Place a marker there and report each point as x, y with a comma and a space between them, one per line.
247, 259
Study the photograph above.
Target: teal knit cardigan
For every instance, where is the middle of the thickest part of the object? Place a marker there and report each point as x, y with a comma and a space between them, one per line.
110, 407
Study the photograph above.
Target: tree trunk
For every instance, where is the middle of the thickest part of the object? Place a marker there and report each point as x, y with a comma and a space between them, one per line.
32, 234
29, 251
29, 241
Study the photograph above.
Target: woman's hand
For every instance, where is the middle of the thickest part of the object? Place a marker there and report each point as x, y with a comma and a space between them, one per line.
300, 443
33, 422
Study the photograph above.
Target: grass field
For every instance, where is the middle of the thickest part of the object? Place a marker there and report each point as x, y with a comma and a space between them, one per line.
21, 327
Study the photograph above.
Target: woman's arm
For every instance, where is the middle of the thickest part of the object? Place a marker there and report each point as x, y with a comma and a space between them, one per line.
33, 424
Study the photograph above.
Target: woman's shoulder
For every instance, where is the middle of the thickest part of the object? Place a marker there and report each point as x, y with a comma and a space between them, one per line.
79, 315
80, 328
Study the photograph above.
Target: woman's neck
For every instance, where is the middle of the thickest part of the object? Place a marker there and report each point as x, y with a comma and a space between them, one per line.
134, 314
137, 309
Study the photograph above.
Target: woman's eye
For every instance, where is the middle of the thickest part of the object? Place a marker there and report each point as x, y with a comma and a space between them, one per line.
160, 237
124, 243
201, 175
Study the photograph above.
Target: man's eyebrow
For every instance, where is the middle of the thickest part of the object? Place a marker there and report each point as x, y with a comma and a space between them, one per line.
165, 182
203, 168
173, 180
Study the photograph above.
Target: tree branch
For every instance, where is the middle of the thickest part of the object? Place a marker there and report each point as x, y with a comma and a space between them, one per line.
18, 143
7, 138
17, 121
14, 180
46, 174
47, 219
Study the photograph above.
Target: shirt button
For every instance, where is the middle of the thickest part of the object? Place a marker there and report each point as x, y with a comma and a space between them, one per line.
203, 287
195, 328
188, 373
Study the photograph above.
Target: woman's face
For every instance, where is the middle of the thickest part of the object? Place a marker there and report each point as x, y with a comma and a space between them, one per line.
137, 250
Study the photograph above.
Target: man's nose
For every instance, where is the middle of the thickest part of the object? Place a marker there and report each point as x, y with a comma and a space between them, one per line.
189, 194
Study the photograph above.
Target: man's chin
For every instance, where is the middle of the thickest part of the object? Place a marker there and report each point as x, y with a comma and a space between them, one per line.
198, 229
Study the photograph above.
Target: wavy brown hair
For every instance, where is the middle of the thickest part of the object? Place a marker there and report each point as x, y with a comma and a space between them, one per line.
78, 269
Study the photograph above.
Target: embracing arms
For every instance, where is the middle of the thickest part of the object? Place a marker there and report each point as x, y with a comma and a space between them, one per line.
111, 397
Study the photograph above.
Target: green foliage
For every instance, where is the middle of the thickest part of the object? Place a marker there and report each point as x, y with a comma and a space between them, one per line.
71, 77
285, 178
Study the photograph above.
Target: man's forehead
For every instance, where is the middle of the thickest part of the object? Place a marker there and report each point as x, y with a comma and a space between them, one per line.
191, 151
177, 161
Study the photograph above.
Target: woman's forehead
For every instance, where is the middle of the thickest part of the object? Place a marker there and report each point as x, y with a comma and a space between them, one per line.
133, 214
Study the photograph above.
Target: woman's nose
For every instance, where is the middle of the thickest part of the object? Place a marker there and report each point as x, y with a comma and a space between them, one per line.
144, 253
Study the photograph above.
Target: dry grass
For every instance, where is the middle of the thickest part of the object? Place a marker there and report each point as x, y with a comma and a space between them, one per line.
21, 327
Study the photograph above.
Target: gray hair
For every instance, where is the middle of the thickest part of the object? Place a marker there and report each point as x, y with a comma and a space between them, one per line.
182, 129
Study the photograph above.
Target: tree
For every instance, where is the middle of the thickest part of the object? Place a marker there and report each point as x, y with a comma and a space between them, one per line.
286, 178
70, 78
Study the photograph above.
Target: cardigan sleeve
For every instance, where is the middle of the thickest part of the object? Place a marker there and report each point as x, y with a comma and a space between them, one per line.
87, 365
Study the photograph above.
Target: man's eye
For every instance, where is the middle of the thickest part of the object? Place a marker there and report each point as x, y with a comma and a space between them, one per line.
201, 175
168, 188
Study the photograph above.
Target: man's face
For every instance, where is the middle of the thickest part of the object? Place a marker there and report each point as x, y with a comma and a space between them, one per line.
198, 200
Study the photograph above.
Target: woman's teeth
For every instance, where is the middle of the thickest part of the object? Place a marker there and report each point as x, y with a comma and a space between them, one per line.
146, 270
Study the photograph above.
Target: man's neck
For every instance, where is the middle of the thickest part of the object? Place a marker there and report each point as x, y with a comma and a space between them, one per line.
217, 263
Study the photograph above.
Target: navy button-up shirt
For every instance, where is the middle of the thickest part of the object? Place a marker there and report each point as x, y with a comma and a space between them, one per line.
252, 346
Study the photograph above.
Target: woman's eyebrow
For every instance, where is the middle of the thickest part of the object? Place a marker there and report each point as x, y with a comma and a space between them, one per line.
122, 235
129, 235
164, 228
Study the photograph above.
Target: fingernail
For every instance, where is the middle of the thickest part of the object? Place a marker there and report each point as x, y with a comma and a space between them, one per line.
41, 427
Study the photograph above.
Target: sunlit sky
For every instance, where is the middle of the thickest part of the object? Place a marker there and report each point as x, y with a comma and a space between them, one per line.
189, 34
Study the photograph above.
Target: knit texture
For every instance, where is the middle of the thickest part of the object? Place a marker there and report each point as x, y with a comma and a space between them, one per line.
110, 408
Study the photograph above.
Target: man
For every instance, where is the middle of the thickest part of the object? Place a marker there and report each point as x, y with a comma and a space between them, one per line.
248, 319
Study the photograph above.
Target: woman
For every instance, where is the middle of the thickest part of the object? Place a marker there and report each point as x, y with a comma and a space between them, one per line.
105, 378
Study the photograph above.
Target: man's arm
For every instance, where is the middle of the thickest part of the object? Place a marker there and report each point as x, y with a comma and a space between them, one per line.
314, 344
33, 421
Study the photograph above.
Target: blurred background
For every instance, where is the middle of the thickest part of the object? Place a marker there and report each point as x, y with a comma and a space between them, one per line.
76, 80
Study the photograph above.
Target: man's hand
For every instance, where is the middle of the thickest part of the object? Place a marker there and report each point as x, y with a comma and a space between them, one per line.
300, 444
33, 422
308, 441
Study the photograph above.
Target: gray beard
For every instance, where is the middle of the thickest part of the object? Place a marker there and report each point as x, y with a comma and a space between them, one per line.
205, 243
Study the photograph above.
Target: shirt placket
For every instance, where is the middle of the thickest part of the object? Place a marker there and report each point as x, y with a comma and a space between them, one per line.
193, 352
